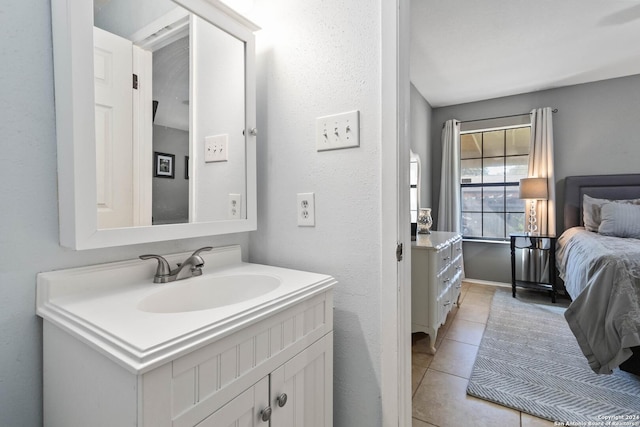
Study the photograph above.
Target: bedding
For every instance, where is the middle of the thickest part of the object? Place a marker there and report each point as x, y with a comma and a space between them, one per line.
602, 276
592, 207
620, 220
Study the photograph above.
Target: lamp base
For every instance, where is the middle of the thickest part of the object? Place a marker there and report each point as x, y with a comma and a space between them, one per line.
532, 229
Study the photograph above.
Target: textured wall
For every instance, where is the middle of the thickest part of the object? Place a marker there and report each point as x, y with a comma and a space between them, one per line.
420, 133
315, 59
595, 132
29, 214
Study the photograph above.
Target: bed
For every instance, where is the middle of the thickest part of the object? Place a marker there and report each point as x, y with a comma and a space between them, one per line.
601, 271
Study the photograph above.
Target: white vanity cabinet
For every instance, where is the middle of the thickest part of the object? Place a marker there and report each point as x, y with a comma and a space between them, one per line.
241, 375
436, 280
233, 379
296, 394
106, 363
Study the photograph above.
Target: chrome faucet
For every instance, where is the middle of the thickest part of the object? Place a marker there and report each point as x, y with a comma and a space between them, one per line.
165, 274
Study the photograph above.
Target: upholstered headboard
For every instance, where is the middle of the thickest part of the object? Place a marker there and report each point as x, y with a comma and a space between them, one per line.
614, 187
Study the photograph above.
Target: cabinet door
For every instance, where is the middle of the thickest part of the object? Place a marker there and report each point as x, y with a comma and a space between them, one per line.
244, 410
307, 382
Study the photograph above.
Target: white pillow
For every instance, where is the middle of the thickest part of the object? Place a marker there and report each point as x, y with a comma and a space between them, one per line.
591, 210
620, 220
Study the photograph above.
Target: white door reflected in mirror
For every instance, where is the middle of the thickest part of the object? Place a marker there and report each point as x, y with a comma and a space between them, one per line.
113, 67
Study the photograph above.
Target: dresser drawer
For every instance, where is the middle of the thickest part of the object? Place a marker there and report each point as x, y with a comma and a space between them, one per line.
443, 259
456, 249
443, 282
456, 265
445, 301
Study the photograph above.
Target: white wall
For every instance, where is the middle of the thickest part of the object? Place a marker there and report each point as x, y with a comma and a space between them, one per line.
29, 214
420, 133
595, 131
315, 59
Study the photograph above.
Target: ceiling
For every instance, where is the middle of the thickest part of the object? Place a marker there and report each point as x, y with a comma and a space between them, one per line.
465, 50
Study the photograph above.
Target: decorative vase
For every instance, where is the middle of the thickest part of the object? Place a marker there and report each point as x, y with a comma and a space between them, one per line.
424, 221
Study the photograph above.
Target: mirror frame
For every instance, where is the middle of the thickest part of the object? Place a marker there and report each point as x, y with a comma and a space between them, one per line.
72, 30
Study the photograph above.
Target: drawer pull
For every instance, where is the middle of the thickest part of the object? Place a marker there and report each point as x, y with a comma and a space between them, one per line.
447, 303
265, 414
446, 280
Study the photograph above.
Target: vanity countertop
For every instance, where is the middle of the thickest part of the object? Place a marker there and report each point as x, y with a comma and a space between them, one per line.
99, 305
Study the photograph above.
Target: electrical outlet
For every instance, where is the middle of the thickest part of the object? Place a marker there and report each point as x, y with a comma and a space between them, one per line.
235, 206
306, 210
338, 131
216, 148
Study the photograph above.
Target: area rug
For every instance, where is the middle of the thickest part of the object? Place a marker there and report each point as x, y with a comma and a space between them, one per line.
530, 361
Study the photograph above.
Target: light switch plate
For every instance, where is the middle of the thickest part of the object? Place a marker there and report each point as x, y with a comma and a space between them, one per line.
235, 206
338, 131
216, 148
306, 210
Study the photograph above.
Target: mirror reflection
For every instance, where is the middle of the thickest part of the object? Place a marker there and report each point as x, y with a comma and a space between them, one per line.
170, 114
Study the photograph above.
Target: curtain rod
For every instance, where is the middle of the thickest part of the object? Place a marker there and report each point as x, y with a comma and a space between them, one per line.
555, 110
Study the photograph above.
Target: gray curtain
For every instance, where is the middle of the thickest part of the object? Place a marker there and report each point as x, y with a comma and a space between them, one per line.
536, 262
541, 166
449, 217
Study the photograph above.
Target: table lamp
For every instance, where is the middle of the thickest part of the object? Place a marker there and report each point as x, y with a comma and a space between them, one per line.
533, 189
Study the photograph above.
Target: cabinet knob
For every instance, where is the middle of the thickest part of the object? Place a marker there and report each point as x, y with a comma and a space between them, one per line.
282, 400
265, 414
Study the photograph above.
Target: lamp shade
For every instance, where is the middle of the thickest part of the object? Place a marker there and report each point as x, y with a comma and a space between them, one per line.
534, 188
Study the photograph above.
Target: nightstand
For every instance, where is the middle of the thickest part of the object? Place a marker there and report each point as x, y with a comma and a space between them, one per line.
540, 251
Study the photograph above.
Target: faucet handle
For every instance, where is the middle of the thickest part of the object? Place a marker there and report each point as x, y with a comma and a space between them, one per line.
206, 248
163, 266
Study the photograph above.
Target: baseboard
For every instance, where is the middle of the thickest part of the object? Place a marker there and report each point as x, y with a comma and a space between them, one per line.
486, 282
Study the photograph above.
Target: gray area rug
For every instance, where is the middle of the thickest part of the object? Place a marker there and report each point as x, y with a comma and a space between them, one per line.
530, 361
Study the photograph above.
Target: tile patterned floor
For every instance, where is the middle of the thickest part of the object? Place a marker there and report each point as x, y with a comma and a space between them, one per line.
440, 382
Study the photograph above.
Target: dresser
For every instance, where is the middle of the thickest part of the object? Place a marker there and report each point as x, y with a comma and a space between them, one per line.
436, 280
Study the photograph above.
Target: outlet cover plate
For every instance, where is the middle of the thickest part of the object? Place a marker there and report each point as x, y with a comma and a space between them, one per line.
306, 210
216, 148
338, 131
235, 206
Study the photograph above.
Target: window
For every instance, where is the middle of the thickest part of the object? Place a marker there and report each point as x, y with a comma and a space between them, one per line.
492, 163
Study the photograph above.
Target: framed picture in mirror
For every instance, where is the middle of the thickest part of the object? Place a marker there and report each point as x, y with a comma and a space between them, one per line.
164, 165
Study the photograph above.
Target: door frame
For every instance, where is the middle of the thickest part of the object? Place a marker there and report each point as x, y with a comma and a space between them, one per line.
395, 307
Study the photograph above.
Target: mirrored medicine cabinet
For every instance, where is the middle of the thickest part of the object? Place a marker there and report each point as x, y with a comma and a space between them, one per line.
156, 113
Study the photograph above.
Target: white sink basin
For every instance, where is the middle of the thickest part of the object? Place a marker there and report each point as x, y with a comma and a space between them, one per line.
210, 292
